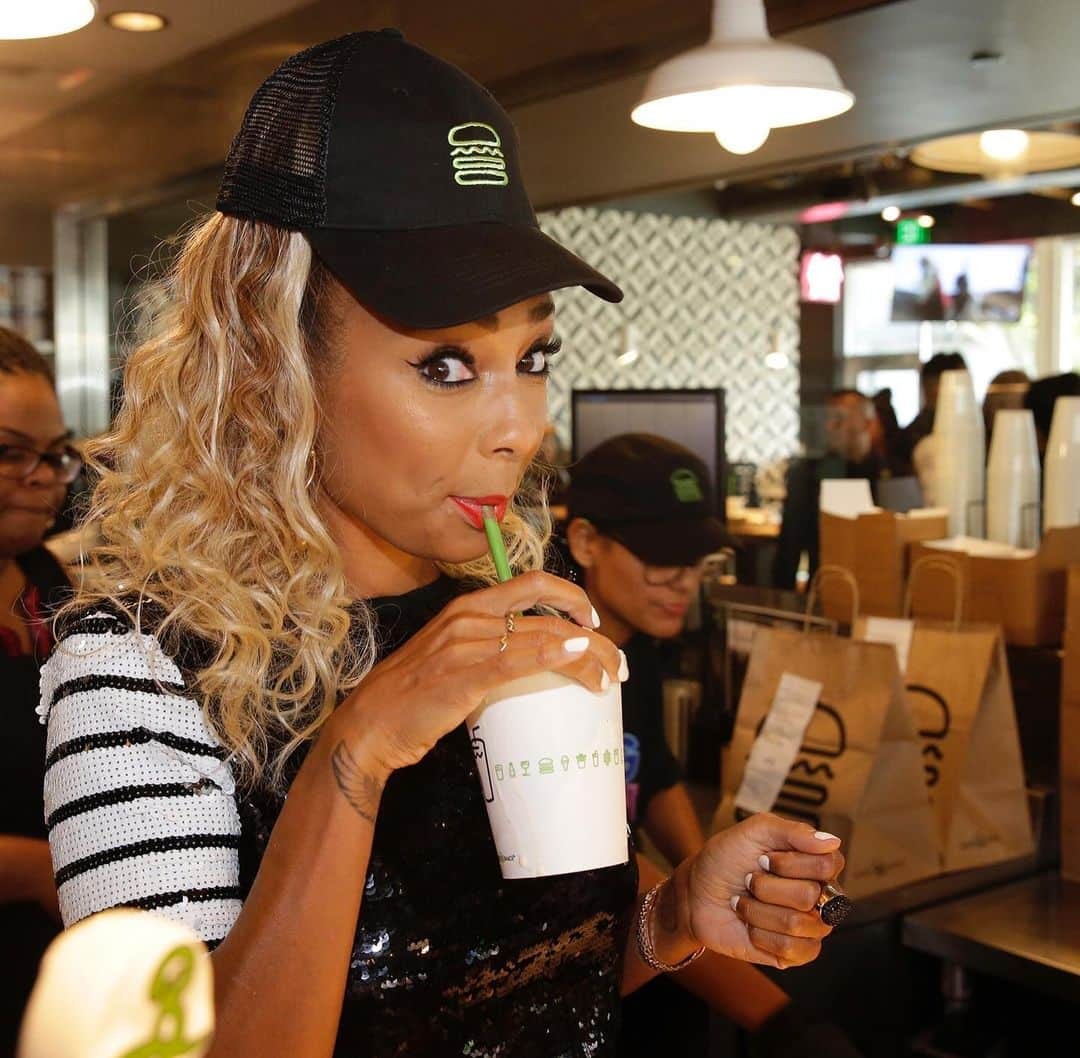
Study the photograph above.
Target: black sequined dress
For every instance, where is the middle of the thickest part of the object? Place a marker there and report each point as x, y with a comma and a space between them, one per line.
449, 959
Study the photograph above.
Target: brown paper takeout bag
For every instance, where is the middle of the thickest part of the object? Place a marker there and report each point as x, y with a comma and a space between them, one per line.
874, 547
1026, 596
1070, 733
858, 773
958, 690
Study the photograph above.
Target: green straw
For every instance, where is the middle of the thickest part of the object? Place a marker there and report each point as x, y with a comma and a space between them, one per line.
496, 545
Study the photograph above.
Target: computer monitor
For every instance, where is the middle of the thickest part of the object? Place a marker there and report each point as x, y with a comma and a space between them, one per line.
693, 418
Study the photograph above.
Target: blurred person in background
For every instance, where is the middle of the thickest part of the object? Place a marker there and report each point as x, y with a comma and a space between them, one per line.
1006, 391
1041, 397
641, 520
849, 430
37, 463
923, 423
886, 432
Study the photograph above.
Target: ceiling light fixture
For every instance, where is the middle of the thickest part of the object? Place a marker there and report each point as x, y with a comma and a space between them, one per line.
1000, 153
137, 21
1004, 145
926, 221
741, 83
1075, 200
44, 18
890, 214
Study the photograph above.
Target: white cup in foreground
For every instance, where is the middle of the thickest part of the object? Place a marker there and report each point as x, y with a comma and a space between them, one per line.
122, 982
549, 753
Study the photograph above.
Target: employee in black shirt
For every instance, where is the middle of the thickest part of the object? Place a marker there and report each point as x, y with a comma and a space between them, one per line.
849, 420
640, 524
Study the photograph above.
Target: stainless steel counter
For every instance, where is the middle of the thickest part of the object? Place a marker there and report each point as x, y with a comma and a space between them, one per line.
1027, 932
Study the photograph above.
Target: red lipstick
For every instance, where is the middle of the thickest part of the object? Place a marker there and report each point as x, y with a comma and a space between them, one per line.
473, 508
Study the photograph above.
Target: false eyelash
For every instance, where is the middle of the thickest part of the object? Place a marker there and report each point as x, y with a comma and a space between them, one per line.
550, 347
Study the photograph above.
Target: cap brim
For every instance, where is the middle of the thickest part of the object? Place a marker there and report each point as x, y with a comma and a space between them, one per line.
671, 543
441, 277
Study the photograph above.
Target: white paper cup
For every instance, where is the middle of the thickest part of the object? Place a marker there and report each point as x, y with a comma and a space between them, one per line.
549, 753
959, 455
121, 982
1012, 481
1061, 499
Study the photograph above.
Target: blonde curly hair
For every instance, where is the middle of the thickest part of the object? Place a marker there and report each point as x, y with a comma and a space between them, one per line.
206, 498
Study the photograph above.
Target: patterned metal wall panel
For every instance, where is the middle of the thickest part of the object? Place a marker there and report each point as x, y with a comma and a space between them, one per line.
708, 300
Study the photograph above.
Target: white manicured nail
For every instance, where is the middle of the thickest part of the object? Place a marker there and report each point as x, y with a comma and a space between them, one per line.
577, 645
734, 903
747, 880
624, 668
763, 862
821, 835
605, 681
595, 618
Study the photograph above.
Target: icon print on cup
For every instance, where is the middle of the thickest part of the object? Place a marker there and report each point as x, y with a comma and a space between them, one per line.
482, 766
523, 768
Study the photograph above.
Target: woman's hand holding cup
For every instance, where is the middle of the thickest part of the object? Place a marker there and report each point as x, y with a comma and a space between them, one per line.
426, 688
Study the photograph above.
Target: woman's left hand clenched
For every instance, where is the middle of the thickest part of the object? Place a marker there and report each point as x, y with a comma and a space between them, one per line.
753, 889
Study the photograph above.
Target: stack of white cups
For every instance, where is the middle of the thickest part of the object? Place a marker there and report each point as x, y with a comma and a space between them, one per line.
959, 453
1012, 480
1061, 501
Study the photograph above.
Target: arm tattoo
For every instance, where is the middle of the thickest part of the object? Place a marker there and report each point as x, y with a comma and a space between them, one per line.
667, 908
361, 790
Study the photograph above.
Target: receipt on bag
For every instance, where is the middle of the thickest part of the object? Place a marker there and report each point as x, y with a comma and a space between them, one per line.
892, 631
776, 747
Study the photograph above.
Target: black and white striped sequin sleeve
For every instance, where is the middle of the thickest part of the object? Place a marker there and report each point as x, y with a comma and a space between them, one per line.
139, 799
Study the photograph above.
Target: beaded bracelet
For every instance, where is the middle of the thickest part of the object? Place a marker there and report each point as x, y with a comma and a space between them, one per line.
644, 937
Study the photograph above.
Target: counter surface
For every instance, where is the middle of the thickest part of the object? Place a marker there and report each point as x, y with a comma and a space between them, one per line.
1027, 932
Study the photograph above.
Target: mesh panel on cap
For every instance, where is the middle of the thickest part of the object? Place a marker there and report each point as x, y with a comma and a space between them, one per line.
276, 169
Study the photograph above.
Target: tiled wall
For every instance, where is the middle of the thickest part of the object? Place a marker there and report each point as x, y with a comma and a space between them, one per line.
708, 300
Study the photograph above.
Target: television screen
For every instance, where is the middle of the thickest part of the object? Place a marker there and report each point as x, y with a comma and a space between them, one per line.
980, 283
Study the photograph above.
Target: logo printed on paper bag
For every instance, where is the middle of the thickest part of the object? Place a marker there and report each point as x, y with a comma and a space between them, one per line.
477, 156
803, 798
933, 734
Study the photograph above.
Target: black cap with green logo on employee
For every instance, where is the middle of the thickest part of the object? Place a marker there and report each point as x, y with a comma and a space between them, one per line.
653, 496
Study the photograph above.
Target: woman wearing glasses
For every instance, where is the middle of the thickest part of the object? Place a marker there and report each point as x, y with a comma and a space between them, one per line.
640, 526
37, 463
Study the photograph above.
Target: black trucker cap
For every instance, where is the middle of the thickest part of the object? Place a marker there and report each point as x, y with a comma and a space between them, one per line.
651, 495
403, 173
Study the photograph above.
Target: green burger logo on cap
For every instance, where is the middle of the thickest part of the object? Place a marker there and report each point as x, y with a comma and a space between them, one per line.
687, 487
477, 156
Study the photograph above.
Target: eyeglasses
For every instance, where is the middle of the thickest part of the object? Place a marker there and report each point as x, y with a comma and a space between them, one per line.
19, 463
669, 576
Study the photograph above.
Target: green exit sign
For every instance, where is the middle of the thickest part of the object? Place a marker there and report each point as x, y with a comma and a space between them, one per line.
910, 232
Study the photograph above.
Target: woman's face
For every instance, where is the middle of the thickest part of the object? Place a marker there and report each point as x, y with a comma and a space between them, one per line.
422, 427
29, 418
615, 580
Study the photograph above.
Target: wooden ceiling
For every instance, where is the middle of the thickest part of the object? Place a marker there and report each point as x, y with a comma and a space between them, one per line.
179, 117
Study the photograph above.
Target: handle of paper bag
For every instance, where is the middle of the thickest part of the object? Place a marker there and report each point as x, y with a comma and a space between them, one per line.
823, 573
942, 565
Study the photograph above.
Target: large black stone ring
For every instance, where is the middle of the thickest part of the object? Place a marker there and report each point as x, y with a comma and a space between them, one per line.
834, 905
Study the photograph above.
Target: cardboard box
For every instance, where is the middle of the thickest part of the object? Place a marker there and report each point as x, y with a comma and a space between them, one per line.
874, 547
1026, 596
1070, 732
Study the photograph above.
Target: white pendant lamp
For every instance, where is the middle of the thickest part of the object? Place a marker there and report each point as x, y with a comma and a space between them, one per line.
742, 83
26, 19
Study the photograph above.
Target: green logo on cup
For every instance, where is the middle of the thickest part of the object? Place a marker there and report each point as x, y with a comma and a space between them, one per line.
687, 487
173, 976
